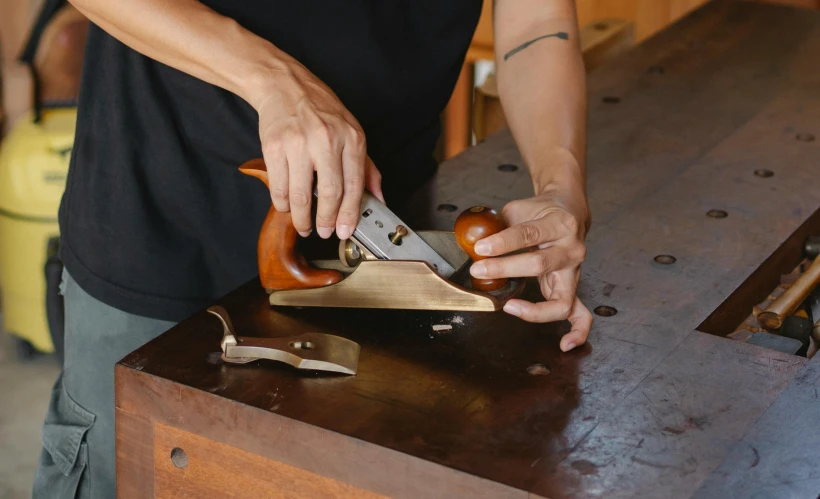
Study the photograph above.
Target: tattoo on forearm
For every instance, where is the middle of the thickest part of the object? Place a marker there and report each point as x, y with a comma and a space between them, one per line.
561, 34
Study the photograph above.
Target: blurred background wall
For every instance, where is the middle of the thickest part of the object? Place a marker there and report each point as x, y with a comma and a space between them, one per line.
648, 16
636, 20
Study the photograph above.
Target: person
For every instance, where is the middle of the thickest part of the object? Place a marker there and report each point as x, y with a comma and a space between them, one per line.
157, 222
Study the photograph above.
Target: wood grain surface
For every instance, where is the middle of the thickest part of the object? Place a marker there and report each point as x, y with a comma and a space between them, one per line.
203, 468
135, 454
649, 407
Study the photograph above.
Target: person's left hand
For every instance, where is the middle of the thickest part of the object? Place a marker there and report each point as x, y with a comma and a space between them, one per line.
552, 226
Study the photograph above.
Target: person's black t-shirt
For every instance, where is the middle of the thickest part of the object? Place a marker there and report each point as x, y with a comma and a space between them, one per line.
156, 219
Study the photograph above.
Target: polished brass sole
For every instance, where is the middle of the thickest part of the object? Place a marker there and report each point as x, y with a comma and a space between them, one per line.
402, 284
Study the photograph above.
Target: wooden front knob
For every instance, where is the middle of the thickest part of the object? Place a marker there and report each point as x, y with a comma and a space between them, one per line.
473, 225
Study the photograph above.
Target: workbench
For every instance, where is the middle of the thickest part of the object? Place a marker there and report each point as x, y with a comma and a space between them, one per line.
703, 179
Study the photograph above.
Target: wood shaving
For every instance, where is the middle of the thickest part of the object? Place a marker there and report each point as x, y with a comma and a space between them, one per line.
442, 327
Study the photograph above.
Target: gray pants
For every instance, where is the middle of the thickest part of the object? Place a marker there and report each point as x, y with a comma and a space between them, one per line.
78, 458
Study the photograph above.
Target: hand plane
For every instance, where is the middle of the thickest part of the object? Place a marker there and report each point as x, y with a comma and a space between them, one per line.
384, 264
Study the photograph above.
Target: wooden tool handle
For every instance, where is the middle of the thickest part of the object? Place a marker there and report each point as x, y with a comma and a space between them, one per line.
280, 266
472, 225
772, 318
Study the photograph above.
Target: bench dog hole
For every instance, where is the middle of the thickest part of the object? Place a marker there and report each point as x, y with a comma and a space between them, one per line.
717, 213
508, 167
665, 259
605, 311
179, 457
764, 173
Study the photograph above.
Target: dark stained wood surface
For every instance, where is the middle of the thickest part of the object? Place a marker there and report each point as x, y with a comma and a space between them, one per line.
678, 425
649, 407
777, 458
417, 391
217, 470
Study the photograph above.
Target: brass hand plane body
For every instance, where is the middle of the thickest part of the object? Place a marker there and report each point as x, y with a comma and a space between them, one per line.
384, 264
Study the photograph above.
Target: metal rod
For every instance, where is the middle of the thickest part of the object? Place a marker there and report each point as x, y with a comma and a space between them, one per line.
772, 317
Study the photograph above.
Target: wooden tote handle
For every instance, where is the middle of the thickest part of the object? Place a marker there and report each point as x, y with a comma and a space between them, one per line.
472, 225
280, 267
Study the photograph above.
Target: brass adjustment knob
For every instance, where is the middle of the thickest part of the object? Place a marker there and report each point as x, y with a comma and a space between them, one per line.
349, 254
400, 232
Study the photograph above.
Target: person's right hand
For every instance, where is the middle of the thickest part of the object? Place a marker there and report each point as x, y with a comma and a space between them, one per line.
305, 128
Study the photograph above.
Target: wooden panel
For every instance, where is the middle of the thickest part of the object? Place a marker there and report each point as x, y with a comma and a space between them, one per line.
458, 414
267, 431
135, 461
209, 469
649, 16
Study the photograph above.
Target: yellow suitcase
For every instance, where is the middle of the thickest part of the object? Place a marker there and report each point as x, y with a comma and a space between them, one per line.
34, 160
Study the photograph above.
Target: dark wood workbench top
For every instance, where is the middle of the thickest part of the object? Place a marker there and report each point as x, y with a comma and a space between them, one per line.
651, 406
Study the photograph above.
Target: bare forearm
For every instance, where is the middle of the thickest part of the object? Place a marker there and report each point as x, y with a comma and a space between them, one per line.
541, 81
190, 37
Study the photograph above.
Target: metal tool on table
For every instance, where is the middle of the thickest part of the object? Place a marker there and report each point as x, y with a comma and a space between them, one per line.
311, 351
773, 316
384, 264
386, 237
